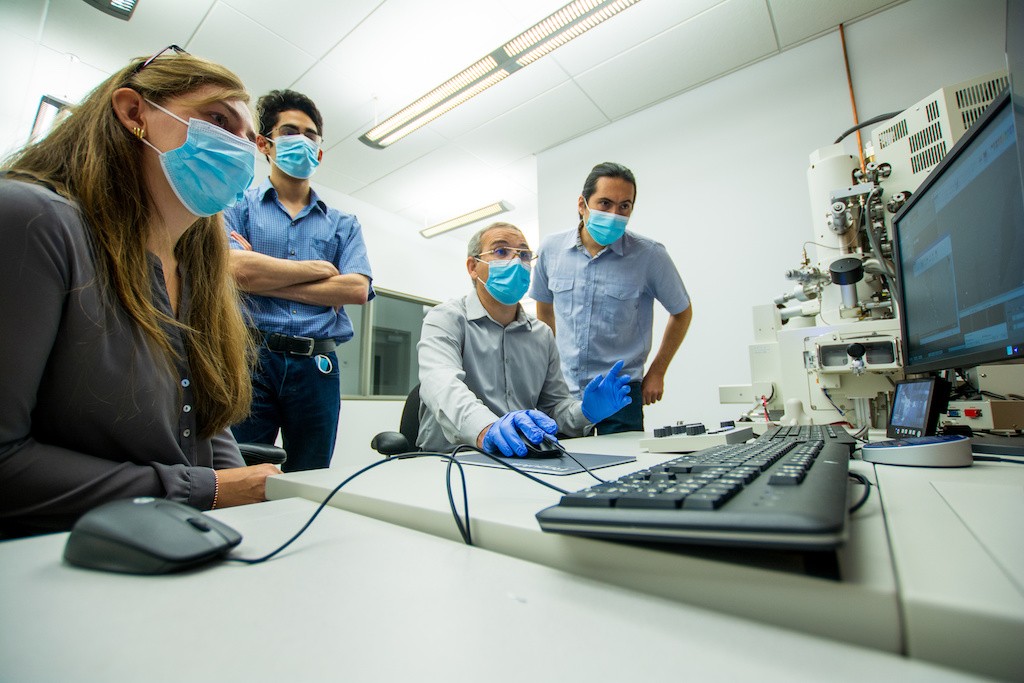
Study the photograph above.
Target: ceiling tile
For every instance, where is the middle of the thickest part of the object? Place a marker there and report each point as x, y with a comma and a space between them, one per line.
367, 164
687, 55
22, 98
262, 59
343, 116
445, 183
632, 26
23, 17
408, 47
534, 126
315, 26
523, 172
108, 43
337, 180
798, 20
520, 87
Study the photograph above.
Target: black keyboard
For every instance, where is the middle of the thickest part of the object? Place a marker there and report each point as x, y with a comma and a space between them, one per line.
787, 489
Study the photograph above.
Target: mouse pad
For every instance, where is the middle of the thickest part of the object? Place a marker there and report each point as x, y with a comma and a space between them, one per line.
558, 466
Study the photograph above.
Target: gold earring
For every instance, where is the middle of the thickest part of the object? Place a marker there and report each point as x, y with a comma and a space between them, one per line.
139, 132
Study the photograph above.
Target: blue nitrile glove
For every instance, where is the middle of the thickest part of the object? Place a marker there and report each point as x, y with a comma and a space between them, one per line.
606, 395
504, 435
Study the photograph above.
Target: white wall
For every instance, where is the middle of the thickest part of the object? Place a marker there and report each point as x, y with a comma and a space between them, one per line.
721, 170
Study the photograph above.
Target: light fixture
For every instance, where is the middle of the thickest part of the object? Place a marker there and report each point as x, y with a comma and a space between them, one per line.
556, 30
49, 113
467, 218
122, 9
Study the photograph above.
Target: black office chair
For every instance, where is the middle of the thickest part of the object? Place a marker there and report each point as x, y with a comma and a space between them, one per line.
259, 453
404, 440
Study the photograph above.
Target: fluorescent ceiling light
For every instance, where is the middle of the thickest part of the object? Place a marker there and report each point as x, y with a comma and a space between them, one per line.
49, 113
467, 218
122, 9
556, 30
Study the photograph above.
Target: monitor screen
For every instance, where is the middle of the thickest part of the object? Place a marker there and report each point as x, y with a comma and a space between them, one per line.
960, 253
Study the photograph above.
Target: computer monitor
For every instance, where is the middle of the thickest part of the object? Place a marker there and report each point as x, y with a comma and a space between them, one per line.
959, 244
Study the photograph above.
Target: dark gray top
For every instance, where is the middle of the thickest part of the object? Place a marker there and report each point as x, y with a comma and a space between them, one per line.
89, 411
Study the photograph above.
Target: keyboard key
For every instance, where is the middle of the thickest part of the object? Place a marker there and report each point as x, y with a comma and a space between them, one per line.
786, 478
594, 500
704, 501
649, 500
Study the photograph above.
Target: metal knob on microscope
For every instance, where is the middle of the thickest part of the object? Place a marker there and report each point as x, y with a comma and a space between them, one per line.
847, 272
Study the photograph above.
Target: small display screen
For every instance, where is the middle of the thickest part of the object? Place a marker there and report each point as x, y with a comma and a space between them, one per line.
916, 407
910, 408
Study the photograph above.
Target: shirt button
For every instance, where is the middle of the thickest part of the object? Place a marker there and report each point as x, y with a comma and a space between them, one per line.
187, 433
185, 383
292, 252
295, 222
187, 408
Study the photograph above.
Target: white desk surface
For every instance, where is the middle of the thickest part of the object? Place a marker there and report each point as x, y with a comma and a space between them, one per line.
356, 599
957, 536
861, 609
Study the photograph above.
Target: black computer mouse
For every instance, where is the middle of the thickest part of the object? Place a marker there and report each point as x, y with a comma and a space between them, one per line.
147, 536
544, 449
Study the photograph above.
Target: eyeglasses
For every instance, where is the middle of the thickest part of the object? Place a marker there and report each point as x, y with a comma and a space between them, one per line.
289, 129
149, 61
504, 253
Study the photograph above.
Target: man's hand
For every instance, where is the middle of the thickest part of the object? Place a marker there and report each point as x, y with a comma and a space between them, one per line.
504, 436
652, 387
606, 394
243, 485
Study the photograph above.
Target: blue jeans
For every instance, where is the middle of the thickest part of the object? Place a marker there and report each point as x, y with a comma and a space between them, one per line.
292, 395
629, 419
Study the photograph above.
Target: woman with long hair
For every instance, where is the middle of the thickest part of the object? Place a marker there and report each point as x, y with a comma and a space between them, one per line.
123, 353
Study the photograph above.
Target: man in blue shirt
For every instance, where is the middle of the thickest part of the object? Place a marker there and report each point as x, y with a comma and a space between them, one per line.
299, 262
595, 287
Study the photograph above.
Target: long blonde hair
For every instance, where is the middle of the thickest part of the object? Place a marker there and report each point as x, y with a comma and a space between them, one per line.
91, 158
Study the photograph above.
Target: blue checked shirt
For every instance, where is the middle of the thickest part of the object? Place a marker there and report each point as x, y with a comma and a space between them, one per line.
604, 306
316, 233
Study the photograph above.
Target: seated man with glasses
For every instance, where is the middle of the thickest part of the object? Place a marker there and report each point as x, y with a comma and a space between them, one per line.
299, 262
489, 371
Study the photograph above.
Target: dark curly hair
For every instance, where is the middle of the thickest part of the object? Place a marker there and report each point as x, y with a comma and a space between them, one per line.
270, 106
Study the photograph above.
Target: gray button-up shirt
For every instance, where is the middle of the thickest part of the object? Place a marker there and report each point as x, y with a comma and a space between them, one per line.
473, 370
89, 410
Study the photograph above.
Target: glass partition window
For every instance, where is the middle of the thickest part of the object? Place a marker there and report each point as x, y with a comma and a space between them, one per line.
380, 360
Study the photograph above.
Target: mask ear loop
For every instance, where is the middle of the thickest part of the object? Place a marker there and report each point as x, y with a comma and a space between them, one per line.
140, 133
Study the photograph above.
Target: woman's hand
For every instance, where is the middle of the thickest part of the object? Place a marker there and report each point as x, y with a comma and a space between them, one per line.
243, 485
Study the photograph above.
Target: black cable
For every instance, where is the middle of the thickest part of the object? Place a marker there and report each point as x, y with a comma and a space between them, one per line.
466, 532
863, 124
573, 458
463, 525
867, 490
463, 529
503, 461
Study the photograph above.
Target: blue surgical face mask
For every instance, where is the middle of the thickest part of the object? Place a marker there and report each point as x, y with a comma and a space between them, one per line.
211, 170
507, 281
297, 155
606, 227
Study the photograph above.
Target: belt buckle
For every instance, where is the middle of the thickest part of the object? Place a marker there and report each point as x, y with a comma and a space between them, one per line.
310, 342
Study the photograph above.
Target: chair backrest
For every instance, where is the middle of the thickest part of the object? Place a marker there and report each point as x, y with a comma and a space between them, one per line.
410, 424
